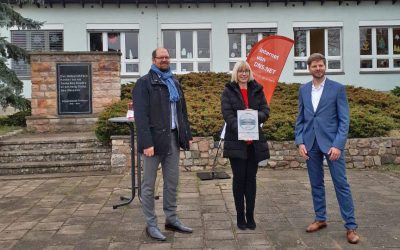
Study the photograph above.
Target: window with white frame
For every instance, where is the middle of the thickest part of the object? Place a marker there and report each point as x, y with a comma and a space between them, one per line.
124, 41
324, 40
380, 48
35, 40
189, 49
241, 40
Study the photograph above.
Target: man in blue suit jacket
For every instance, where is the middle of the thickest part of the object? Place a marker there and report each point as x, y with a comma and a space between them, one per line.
321, 130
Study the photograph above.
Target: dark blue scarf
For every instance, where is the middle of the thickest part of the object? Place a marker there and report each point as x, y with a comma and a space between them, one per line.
167, 78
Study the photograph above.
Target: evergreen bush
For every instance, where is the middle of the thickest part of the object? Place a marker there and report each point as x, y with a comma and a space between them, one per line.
396, 91
105, 129
368, 121
17, 119
283, 111
372, 113
203, 98
126, 91
389, 104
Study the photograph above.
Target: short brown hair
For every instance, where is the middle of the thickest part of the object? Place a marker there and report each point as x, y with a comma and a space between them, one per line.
316, 57
154, 53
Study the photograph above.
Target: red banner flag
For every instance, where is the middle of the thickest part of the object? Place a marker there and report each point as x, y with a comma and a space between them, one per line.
267, 59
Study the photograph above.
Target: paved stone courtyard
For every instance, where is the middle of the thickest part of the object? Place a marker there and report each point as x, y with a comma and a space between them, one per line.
75, 212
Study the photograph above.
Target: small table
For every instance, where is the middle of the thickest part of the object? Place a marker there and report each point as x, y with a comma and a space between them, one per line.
131, 123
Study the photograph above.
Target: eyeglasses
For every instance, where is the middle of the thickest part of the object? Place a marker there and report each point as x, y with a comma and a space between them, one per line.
162, 57
244, 71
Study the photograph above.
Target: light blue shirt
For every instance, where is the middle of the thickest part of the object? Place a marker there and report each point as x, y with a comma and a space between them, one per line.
173, 115
173, 112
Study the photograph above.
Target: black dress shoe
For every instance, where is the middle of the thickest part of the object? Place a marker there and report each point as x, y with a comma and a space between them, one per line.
178, 227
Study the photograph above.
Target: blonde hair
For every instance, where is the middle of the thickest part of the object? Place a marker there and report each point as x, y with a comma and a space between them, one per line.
238, 66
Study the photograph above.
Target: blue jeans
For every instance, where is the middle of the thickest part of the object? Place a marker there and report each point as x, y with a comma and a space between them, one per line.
342, 188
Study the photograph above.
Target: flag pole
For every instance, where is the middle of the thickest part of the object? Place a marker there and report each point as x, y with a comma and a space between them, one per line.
204, 176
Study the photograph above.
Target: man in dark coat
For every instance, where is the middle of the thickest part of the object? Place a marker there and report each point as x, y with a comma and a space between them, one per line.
162, 127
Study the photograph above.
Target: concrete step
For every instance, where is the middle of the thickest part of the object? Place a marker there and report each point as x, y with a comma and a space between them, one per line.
47, 145
54, 167
49, 141
55, 155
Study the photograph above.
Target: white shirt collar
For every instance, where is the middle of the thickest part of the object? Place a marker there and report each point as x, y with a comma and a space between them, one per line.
316, 94
320, 86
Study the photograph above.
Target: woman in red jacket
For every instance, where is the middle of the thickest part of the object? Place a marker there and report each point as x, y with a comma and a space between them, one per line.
242, 93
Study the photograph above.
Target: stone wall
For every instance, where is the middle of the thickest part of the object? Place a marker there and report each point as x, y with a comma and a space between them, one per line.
360, 153
200, 157
121, 154
106, 88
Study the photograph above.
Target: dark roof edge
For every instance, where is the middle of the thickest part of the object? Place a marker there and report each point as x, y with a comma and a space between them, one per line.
168, 3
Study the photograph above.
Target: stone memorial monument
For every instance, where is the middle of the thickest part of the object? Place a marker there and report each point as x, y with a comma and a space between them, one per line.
70, 89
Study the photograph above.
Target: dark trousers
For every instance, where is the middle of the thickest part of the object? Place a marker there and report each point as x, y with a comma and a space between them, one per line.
244, 182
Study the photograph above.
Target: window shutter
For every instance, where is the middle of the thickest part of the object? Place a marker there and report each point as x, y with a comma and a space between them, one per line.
35, 40
56, 41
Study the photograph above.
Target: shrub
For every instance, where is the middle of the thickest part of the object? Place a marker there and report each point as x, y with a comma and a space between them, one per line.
368, 121
203, 98
17, 119
283, 111
372, 113
4, 121
104, 128
389, 104
396, 91
126, 91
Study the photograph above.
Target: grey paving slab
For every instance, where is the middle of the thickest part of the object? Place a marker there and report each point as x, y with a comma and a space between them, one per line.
123, 245
192, 243
48, 226
221, 244
75, 212
7, 244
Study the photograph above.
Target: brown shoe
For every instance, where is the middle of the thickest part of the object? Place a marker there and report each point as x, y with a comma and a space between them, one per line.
352, 236
315, 226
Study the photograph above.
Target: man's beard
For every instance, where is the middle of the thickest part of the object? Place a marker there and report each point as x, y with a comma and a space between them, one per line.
319, 75
164, 69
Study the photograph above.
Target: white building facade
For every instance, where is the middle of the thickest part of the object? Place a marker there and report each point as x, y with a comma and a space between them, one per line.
360, 39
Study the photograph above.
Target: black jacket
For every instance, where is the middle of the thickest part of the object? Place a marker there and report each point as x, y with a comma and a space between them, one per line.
153, 115
231, 102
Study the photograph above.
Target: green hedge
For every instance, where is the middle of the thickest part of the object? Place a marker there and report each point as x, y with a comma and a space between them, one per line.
203, 97
283, 111
396, 91
372, 113
17, 119
369, 121
105, 129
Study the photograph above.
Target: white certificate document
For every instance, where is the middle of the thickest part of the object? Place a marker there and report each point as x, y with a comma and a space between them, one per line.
247, 125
